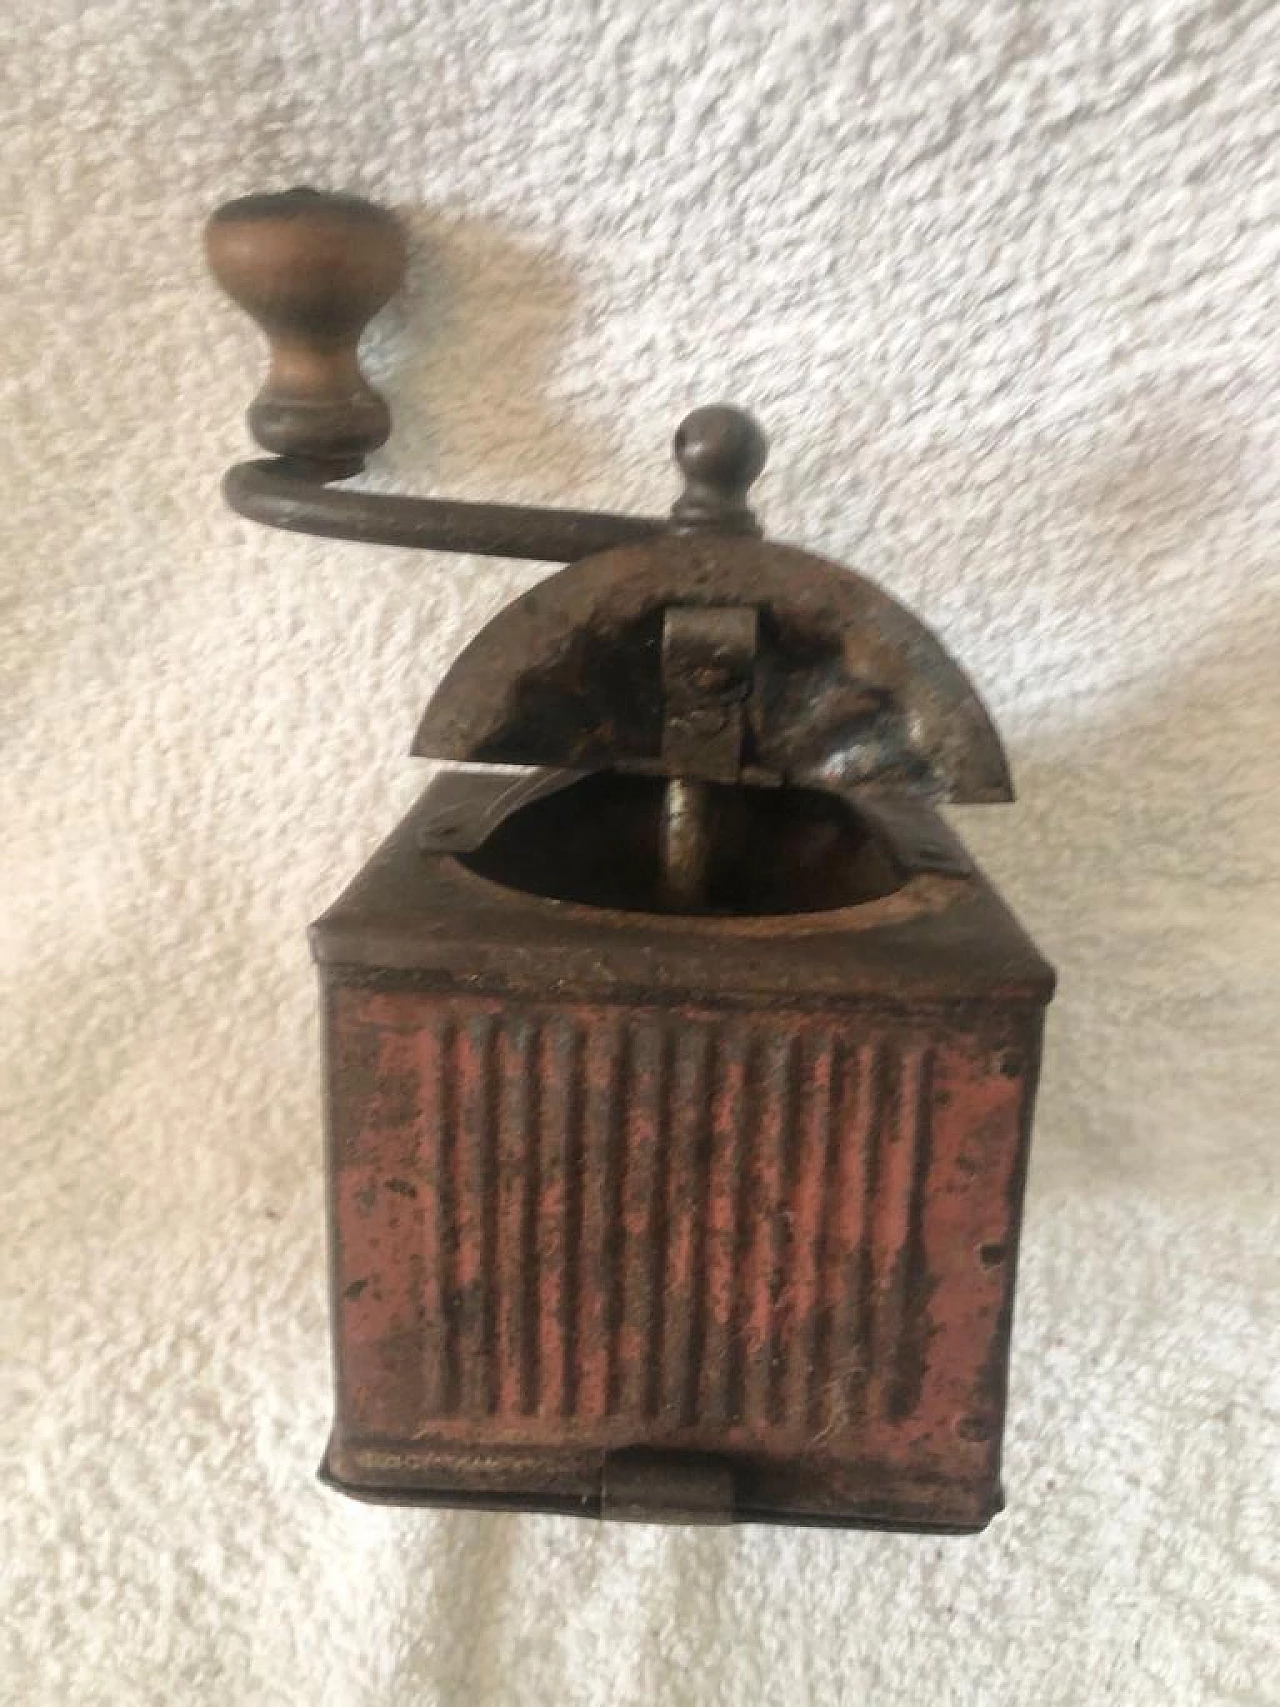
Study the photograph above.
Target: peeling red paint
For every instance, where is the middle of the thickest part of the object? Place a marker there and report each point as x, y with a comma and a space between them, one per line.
577, 1228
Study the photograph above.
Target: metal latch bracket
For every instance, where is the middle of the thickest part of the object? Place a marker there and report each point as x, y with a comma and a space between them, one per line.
643, 1485
708, 672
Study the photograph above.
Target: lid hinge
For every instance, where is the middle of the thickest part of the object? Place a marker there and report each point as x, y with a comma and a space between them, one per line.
708, 672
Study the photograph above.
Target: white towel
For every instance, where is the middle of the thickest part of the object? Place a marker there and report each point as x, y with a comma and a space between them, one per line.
1001, 282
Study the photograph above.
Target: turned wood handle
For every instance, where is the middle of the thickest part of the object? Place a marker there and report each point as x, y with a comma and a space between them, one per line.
312, 269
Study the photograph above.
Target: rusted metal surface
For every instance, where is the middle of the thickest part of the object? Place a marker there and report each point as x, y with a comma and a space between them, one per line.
708, 673
762, 1222
678, 1096
781, 1240
850, 688
294, 497
551, 888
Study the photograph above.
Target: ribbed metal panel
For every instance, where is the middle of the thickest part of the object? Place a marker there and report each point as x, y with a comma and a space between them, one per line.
677, 1219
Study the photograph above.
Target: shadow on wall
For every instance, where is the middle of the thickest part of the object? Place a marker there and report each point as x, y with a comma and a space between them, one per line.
1140, 858
468, 353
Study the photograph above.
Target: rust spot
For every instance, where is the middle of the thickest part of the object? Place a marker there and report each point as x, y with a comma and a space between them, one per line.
401, 1187
353, 1291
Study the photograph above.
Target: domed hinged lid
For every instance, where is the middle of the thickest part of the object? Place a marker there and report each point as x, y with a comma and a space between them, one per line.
710, 652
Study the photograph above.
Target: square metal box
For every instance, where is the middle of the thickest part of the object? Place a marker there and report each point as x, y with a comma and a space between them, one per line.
673, 1217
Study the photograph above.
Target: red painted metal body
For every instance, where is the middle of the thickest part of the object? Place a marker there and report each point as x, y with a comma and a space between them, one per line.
739, 1196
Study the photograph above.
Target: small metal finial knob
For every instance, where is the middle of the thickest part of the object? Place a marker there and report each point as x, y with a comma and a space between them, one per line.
312, 269
720, 451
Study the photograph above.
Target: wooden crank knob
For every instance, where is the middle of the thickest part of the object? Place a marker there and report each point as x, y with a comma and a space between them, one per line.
312, 269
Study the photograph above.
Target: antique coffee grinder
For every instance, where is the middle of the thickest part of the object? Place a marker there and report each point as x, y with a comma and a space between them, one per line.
679, 1087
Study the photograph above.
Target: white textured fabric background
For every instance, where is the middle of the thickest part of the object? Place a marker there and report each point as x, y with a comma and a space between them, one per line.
1001, 281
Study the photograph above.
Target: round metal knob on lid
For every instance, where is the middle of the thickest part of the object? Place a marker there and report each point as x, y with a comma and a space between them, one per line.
312, 269
721, 451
